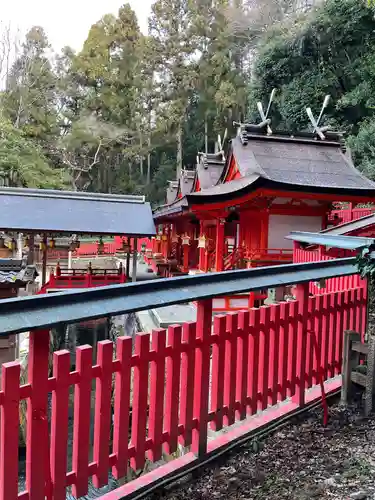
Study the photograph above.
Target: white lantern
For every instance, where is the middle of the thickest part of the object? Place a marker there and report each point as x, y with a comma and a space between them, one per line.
202, 241
186, 240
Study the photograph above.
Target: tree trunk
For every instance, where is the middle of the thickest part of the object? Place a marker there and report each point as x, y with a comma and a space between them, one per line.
141, 155
149, 162
179, 150
206, 134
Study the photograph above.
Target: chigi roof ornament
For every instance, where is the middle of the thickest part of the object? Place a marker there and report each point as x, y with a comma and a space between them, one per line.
247, 128
243, 129
315, 123
264, 116
218, 156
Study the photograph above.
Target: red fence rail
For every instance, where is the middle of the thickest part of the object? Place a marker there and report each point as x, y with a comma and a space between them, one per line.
169, 391
347, 215
333, 284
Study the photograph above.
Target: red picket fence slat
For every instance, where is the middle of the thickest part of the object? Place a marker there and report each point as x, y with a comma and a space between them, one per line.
59, 423
157, 381
169, 391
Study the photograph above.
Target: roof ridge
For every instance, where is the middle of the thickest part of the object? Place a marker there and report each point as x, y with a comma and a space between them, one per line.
73, 195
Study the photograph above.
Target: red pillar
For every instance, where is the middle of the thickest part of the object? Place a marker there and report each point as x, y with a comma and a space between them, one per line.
185, 257
201, 248
264, 231
220, 245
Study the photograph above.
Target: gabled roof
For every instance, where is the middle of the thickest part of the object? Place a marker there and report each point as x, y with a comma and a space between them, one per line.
172, 191
281, 162
39, 210
185, 183
284, 163
209, 169
299, 161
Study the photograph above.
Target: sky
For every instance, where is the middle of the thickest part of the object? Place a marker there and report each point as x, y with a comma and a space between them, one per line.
67, 22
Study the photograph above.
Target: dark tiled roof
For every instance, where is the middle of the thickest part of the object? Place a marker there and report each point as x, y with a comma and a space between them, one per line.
70, 212
13, 271
209, 169
186, 181
237, 186
284, 163
172, 191
175, 207
301, 162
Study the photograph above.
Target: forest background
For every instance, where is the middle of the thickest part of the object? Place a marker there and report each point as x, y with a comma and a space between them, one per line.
129, 110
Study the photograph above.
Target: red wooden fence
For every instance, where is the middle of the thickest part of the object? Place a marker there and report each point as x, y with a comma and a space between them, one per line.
179, 388
333, 284
347, 215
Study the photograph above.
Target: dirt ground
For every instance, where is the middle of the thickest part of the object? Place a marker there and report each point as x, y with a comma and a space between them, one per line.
302, 461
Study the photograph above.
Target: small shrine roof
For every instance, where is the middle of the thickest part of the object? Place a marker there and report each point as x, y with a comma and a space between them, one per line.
209, 169
299, 161
16, 272
172, 191
186, 182
278, 162
66, 212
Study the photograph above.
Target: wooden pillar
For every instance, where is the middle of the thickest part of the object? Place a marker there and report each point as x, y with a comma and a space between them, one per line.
185, 250
44, 262
264, 225
220, 245
31, 254
135, 257
201, 248
302, 296
128, 261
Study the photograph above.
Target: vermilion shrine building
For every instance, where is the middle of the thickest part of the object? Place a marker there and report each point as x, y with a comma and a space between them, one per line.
235, 210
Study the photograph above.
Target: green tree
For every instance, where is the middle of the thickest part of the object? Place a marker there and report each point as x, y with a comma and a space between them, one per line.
22, 162
328, 51
29, 100
103, 137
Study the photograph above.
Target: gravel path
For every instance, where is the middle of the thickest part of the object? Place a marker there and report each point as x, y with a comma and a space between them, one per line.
302, 461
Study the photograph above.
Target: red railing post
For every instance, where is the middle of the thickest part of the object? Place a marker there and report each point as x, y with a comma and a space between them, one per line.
243, 363
140, 397
157, 382
103, 413
59, 423
122, 407
37, 425
302, 296
230, 368
9, 431
172, 388
202, 376
218, 363
82, 411
187, 382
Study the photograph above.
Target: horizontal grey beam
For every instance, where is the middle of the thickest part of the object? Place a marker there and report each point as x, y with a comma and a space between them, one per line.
332, 241
40, 311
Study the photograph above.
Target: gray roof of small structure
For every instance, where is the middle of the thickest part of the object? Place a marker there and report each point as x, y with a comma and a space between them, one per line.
172, 191
41, 210
186, 181
176, 207
209, 169
349, 227
14, 271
